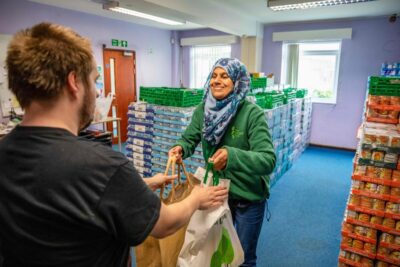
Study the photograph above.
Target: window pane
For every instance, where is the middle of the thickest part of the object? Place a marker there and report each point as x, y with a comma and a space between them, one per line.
202, 58
317, 73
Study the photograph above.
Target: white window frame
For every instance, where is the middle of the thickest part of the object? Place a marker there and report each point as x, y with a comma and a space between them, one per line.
337, 53
192, 62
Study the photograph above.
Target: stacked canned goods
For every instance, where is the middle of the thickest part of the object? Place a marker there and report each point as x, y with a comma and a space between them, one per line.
140, 136
290, 128
371, 226
169, 125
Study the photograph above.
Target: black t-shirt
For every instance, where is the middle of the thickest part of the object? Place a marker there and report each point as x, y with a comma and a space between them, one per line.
66, 201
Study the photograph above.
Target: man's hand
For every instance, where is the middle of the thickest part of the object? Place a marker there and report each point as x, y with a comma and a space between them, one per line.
209, 197
177, 152
158, 180
220, 158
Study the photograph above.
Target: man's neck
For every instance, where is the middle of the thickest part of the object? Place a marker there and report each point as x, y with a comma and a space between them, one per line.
59, 115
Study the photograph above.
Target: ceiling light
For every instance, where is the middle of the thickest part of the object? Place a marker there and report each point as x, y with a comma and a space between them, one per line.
281, 5
114, 6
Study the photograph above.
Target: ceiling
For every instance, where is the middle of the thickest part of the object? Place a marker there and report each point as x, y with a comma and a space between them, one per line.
237, 17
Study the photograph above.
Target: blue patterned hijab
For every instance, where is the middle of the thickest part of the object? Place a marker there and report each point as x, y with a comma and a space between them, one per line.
218, 113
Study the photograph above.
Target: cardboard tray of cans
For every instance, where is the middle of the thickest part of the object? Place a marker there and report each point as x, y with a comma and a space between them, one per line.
384, 109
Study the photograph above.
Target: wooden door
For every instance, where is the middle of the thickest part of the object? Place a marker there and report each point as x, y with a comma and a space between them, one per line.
120, 80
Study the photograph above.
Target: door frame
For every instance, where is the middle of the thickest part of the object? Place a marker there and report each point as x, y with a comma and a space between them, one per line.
105, 49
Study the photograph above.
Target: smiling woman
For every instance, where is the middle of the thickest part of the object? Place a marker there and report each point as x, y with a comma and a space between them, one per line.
235, 137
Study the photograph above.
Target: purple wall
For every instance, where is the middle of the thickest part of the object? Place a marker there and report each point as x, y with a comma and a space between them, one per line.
185, 60
374, 41
152, 46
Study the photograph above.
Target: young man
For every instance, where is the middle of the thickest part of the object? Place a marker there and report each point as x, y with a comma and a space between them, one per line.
65, 201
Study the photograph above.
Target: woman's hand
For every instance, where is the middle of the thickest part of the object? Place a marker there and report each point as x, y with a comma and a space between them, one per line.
158, 180
176, 151
220, 158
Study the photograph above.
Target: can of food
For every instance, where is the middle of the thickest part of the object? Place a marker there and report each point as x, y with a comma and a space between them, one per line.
391, 158
366, 153
372, 113
395, 255
371, 187
360, 170
352, 214
385, 237
395, 100
382, 140
355, 257
395, 191
378, 204
382, 264
388, 222
371, 233
347, 241
364, 217
366, 262
366, 202
378, 155
395, 141
383, 251
374, 99
385, 100
377, 219
391, 207
354, 200
383, 189
370, 248
398, 225
384, 114
371, 171
386, 174
396, 175
393, 114
348, 227
369, 138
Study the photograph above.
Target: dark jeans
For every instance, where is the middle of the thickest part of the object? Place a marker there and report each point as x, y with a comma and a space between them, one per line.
248, 218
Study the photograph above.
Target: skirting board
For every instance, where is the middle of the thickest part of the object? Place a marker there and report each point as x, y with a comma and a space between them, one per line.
334, 147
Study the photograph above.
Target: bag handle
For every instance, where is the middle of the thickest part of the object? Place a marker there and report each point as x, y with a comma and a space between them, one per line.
210, 166
181, 168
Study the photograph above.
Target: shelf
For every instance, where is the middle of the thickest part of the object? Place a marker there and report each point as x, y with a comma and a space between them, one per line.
393, 216
365, 210
389, 245
361, 223
350, 262
380, 181
387, 229
382, 120
387, 259
384, 107
359, 237
358, 251
372, 195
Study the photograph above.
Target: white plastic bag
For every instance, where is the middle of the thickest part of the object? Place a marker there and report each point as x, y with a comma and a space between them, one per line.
211, 239
103, 105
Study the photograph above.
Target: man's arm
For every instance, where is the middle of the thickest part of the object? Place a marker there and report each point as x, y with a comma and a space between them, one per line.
174, 216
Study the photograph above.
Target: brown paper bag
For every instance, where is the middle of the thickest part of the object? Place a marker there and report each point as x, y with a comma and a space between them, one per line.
164, 252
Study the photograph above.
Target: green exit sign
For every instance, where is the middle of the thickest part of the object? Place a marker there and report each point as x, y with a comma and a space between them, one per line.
121, 43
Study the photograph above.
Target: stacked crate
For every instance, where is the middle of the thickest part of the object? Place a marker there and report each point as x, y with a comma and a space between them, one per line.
287, 131
306, 111
371, 226
169, 125
140, 136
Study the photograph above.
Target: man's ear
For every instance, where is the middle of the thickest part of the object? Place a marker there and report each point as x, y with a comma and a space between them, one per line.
72, 83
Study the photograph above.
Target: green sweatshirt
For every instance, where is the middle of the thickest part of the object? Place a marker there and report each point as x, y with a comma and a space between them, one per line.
251, 155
